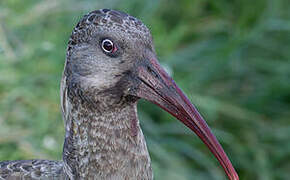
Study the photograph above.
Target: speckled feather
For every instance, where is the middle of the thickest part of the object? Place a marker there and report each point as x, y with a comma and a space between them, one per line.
31, 169
103, 138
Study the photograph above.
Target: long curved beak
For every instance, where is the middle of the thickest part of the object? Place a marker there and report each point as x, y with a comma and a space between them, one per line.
157, 86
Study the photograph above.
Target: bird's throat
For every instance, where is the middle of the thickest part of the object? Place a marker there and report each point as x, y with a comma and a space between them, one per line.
106, 145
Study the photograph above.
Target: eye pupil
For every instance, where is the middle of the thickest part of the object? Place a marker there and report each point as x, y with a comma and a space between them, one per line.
107, 45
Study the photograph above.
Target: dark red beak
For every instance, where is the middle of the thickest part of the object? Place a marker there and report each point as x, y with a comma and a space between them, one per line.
159, 88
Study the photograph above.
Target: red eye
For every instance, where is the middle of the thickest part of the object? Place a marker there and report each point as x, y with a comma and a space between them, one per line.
108, 46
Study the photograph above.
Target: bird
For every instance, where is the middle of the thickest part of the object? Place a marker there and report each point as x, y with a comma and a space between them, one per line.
110, 64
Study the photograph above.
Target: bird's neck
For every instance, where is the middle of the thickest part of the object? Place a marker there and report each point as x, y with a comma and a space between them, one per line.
106, 145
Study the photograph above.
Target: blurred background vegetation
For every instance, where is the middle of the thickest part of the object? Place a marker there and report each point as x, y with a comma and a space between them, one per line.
231, 57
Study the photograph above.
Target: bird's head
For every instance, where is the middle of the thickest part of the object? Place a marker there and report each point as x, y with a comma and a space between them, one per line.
111, 61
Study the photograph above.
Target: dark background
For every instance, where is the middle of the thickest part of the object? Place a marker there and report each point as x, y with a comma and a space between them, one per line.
231, 58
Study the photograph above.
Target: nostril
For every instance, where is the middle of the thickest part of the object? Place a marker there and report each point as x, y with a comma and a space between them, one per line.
150, 70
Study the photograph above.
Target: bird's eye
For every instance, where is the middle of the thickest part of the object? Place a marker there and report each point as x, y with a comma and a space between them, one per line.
108, 46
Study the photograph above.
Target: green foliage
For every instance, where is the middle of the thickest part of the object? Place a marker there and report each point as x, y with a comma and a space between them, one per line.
232, 59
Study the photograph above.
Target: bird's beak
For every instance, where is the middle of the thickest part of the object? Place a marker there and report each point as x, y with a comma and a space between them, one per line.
156, 86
